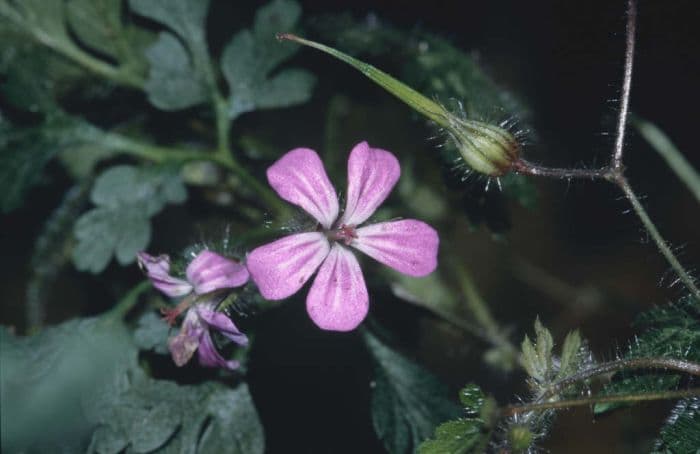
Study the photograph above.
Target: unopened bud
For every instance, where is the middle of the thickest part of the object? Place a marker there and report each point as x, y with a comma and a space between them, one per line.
519, 438
486, 148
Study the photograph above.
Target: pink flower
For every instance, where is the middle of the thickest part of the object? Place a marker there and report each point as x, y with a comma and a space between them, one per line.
338, 298
195, 335
206, 273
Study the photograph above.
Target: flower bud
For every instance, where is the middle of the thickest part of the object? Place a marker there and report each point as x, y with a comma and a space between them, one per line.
519, 438
486, 148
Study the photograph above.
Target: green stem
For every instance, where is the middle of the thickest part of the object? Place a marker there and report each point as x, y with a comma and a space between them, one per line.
672, 155
408, 95
128, 301
153, 153
487, 328
679, 365
161, 154
513, 410
664, 248
474, 301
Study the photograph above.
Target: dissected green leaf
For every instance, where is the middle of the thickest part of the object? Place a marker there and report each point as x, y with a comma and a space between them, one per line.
25, 152
97, 24
174, 82
681, 432
87, 34
151, 333
106, 232
184, 17
179, 63
468, 434
250, 57
45, 380
671, 331
156, 414
537, 356
80, 380
569, 362
408, 402
125, 198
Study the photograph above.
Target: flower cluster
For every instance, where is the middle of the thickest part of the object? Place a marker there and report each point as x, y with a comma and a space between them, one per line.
208, 272
338, 299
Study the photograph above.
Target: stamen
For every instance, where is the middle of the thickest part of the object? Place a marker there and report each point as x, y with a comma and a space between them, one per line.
171, 315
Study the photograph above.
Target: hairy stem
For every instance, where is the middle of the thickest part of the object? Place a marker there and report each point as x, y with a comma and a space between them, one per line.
664, 248
616, 161
528, 168
512, 410
679, 365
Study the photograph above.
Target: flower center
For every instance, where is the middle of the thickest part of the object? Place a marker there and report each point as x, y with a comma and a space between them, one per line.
171, 315
344, 233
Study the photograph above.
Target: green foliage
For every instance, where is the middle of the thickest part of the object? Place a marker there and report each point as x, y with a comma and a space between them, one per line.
181, 72
126, 197
569, 361
408, 402
180, 69
24, 152
45, 379
82, 377
469, 434
67, 27
671, 331
681, 432
252, 55
174, 81
151, 333
537, 356
159, 415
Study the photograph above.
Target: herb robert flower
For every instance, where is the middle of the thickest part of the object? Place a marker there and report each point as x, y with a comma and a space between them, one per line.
338, 298
206, 273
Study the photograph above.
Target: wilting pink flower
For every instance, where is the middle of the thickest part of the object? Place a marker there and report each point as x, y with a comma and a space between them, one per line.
206, 273
195, 335
338, 297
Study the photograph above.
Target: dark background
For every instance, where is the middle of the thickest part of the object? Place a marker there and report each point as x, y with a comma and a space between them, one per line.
579, 260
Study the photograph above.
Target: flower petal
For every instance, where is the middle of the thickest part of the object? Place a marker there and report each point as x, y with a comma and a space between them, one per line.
282, 267
184, 344
299, 178
210, 271
221, 322
372, 174
408, 246
210, 357
338, 299
157, 269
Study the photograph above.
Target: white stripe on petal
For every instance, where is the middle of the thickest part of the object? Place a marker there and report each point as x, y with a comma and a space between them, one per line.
299, 178
282, 267
338, 299
408, 246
